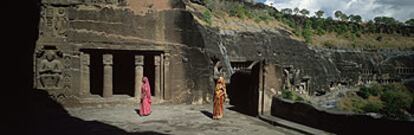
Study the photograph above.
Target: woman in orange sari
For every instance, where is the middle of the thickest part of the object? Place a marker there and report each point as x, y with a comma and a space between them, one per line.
219, 98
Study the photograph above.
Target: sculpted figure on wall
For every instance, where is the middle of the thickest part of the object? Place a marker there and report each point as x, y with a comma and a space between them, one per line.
61, 22
50, 70
53, 22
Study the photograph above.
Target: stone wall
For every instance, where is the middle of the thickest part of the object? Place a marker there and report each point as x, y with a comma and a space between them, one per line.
337, 122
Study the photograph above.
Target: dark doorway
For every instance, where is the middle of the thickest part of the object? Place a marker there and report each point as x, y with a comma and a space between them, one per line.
243, 92
149, 71
96, 72
123, 73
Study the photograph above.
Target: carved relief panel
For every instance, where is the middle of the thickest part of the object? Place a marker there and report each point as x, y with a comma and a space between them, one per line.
54, 21
51, 72
67, 75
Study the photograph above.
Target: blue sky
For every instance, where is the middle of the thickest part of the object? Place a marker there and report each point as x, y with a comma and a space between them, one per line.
401, 10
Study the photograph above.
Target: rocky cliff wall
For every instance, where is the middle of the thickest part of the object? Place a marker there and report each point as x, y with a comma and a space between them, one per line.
325, 67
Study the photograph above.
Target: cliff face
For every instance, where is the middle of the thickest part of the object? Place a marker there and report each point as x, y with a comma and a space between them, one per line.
157, 39
326, 67
79, 40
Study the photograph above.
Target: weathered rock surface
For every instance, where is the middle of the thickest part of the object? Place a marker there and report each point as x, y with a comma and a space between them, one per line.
79, 32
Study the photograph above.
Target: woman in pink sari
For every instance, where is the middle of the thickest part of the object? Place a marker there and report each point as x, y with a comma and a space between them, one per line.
145, 98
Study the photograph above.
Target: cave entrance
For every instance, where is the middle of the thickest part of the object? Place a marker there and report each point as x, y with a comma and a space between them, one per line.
109, 73
123, 73
149, 71
243, 88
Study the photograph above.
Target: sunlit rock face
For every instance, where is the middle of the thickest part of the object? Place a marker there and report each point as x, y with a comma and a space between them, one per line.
101, 49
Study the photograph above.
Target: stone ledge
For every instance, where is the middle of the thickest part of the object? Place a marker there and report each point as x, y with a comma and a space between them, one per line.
292, 125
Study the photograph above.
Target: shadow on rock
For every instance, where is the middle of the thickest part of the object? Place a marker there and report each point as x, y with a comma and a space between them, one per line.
207, 113
47, 116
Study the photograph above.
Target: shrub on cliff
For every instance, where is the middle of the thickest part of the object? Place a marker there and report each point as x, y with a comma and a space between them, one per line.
373, 104
397, 101
290, 95
365, 91
207, 16
240, 10
392, 100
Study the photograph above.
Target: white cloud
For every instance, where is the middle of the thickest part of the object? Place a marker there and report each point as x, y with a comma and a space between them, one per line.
368, 9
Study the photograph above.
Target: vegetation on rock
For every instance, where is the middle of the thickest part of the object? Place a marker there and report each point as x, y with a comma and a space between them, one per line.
343, 31
392, 100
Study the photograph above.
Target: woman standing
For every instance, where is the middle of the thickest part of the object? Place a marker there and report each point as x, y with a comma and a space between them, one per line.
145, 98
219, 97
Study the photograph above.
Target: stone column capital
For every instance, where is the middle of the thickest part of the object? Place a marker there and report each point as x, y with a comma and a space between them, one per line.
107, 59
139, 60
85, 60
167, 59
157, 60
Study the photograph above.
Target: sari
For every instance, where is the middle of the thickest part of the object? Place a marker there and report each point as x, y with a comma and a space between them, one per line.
219, 98
145, 109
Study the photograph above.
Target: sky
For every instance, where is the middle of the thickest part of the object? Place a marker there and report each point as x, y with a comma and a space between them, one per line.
401, 10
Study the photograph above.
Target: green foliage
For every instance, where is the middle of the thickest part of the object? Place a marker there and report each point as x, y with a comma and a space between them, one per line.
355, 18
385, 20
373, 104
240, 10
296, 10
304, 12
410, 22
365, 91
262, 15
319, 13
392, 100
287, 11
397, 99
287, 94
338, 14
207, 15
350, 26
352, 104
307, 32
209, 3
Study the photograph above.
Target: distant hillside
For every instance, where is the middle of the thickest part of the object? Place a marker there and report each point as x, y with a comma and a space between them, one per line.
343, 32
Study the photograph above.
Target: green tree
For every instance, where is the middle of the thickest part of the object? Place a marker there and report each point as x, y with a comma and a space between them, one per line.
319, 13
304, 12
307, 31
385, 20
338, 14
344, 17
287, 11
355, 18
296, 10
410, 22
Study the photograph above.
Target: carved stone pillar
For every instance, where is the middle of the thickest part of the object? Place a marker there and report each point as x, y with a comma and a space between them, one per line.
157, 76
162, 95
107, 86
139, 73
167, 91
85, 74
